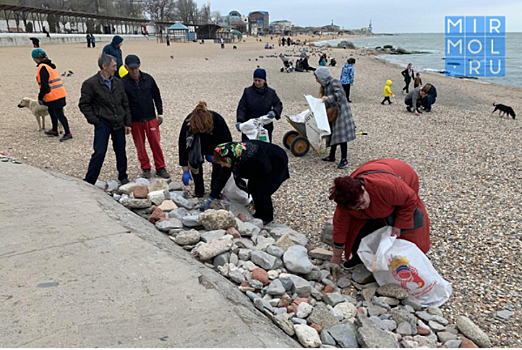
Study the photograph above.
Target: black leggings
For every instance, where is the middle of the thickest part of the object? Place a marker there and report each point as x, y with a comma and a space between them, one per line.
57, 115
406, 86
387, 98
344, 150
347, 91
370, 227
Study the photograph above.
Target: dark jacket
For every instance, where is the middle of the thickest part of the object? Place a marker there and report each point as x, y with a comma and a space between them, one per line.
265, 171
142, 96
97, 102
220, 134
258, 102
408, 78
113, 50
432, 92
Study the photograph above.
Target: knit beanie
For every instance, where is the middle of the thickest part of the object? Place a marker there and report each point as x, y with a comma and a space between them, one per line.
260, 73
37, 52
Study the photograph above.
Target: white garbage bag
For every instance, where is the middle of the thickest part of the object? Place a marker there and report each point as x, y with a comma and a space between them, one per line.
398, 261
233, 193
254, 128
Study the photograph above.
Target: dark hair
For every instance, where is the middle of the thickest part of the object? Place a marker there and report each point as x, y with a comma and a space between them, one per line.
346, 192
201, 119
351, 60
426, 88
217, 158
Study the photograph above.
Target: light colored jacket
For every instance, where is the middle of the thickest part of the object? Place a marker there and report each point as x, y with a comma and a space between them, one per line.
347, 74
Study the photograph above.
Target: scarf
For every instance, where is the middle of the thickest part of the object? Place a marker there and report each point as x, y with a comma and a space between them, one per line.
234, 154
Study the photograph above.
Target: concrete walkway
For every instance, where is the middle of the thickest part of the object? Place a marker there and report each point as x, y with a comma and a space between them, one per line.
77, 269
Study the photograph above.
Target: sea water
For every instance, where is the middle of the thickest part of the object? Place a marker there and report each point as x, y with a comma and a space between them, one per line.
433, 58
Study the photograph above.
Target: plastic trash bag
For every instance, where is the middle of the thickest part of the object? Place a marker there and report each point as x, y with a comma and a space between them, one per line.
232, 193
398, 261
254, 128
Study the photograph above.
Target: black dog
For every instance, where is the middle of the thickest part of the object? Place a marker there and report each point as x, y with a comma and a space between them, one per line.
503, 110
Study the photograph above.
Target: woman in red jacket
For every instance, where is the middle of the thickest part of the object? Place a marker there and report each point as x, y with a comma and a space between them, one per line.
368, 196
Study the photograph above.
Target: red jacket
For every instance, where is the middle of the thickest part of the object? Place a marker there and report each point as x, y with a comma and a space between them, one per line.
387, 193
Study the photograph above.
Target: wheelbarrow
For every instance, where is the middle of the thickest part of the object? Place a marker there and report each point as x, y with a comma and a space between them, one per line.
297, 142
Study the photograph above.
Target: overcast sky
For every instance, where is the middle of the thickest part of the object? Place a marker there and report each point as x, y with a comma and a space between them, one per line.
387, 16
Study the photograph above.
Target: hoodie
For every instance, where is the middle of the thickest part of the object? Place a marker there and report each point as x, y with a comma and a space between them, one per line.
113, 50
387, 89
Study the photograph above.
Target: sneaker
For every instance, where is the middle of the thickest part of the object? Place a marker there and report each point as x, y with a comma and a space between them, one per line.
409, 109
428, 110
390, 103
124, 181
343, 164
350, 264
66, 137
382, 103
145, 174
163, 173
51, 133
328, 159
349, 101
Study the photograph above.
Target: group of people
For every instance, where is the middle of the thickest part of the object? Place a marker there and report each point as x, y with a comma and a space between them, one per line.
119, 107
283, 40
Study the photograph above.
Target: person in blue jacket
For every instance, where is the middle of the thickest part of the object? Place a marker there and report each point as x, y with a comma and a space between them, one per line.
114, 49
347, 77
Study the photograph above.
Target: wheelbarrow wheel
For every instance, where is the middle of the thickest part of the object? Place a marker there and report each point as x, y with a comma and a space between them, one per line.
289, 137
300, 146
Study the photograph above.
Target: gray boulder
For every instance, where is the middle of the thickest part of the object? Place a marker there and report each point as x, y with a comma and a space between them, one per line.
191, 220
296, 260
369, 335
266, 261
327, 233
392, 290
217, 219
169, 224
278, 230
276, 288
300, 286
326, 338
333, 299
275, 251
282, 322
345, 335
362, 275
212, 235
322, 316
180, 201
247, 229
187, 237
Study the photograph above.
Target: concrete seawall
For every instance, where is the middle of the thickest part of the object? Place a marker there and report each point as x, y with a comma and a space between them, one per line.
22, 39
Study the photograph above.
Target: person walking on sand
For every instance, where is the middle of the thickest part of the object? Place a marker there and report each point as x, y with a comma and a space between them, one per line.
417, 81
279, 41
408, 75
388, 92
343, 127
104, 104
167, 38
52, 93
93, 40
347, 77
284, 41
222, 43
89, 39
143, 94
114, 49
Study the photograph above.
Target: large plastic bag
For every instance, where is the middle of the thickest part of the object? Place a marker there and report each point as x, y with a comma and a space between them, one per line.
232, 193
254, 128
398, 261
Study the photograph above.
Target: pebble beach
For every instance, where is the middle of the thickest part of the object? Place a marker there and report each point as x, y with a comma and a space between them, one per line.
468, 161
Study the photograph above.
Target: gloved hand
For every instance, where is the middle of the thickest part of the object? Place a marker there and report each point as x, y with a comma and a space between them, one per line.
160, 119
237, 126
206, 204
186, 177
271, 115
209, 159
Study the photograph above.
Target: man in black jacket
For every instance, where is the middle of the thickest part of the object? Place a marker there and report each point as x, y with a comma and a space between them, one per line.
143, 94
104, 104
259, 100
114, 49
430, 98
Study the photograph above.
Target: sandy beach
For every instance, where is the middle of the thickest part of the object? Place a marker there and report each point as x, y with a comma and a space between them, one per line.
468, 161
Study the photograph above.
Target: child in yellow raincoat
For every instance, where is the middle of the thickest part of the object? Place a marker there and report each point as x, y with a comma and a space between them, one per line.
388, 92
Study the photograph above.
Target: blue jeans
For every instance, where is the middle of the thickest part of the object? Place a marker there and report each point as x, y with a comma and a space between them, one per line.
102, 131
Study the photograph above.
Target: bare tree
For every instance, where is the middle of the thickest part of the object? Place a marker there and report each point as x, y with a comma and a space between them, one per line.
159, 10
216, 15
186, 11
205, 14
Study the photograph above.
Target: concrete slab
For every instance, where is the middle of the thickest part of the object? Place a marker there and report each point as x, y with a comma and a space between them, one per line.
80, 270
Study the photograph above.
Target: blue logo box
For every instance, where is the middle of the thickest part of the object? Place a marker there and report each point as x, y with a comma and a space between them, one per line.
475, 46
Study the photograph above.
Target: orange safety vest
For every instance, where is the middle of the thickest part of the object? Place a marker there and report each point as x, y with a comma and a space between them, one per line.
55, 83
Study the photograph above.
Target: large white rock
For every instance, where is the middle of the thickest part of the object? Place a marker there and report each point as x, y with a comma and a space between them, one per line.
348, 309
296, 260
308, 336
207, 251
127, 188
156, 197
158, 185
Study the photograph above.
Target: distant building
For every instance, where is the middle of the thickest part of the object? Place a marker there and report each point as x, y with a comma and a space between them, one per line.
281, 26
259, 22
330, 28
234, 20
